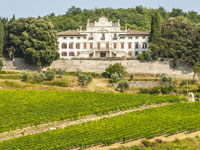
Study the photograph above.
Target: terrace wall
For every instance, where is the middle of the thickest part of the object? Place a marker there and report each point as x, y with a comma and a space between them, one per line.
132, 66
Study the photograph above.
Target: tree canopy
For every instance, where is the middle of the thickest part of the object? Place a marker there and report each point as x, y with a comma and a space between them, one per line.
178, 40
33, 39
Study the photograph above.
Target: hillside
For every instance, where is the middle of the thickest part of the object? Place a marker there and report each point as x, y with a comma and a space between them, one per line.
134, 18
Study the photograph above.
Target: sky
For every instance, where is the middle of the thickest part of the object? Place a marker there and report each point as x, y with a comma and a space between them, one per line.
35, 8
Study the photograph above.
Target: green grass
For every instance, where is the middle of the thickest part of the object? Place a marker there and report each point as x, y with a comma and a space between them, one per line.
145, 123
11, 76
19, 108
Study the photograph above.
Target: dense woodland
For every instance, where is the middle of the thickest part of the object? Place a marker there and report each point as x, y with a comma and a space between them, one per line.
174, 34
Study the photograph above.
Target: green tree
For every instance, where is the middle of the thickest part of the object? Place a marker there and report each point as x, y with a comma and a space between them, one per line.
115, 69
123, 85
84, 79
33, 39
1, 38
156, 26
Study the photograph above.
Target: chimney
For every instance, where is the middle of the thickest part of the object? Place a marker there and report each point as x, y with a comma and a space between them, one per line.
125, 28
88, 22
118, 22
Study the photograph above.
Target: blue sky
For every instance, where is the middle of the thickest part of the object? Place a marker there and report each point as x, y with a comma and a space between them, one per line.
34, 8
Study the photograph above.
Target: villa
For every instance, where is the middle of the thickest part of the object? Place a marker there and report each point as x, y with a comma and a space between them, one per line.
102, 39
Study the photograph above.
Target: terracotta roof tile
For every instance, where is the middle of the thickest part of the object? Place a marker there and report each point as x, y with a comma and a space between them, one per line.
137, 32
69, 32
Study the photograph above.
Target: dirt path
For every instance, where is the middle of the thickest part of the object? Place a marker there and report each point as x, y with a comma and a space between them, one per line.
62, 124
180, 136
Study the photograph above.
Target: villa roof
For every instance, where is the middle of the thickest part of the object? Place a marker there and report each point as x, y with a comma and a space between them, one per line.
137, 32
69, 32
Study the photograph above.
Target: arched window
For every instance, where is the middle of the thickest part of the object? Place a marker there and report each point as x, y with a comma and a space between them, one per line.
136, 45
144, 45
64, 53
64, 45
71, 53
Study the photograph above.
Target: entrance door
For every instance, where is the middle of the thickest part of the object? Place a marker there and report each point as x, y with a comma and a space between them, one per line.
102, 54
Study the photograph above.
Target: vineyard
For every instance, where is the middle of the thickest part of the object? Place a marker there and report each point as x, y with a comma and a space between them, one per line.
146, 123
19, 108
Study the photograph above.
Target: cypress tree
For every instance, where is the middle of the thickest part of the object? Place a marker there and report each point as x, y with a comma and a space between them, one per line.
1, 38
156, 27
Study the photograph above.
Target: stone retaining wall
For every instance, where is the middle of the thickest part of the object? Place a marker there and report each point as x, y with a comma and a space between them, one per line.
132, 66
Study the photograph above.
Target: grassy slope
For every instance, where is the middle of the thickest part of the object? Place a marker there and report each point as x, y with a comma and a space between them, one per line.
146, 123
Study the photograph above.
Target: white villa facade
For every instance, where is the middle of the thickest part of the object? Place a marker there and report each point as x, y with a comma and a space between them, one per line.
102, 39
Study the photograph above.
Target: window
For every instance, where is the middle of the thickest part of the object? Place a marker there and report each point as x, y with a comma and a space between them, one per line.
85, 45
130, 37
71, 45
129, 53
71, 53
144, 45
64, 53
115, 37
64, 37
78, 53
91, 36
136, 45
122, 45
79, 38
84, 37
64, 45
71, 37
114, 45
77, 45
144, 37
129, 45
136, 53
136, 37
107, 45
122, 37
103, 36
103, 54
91, 45
98, 45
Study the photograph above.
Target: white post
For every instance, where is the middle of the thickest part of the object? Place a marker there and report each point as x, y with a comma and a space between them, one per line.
191, 97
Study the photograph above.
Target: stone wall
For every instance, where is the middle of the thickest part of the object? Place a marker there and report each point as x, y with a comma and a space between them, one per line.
18, 64
132, 66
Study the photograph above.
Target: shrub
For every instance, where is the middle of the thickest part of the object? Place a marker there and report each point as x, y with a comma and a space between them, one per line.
12, 84
116, 78
154, 90
131, 76
57, 83
146, 143
123, 85
38, 77
184, 82
144, 57
159, 141
78, 71
116, 68
25, 76
167, 84
49, 74
60, 72
84, 79
89, 79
